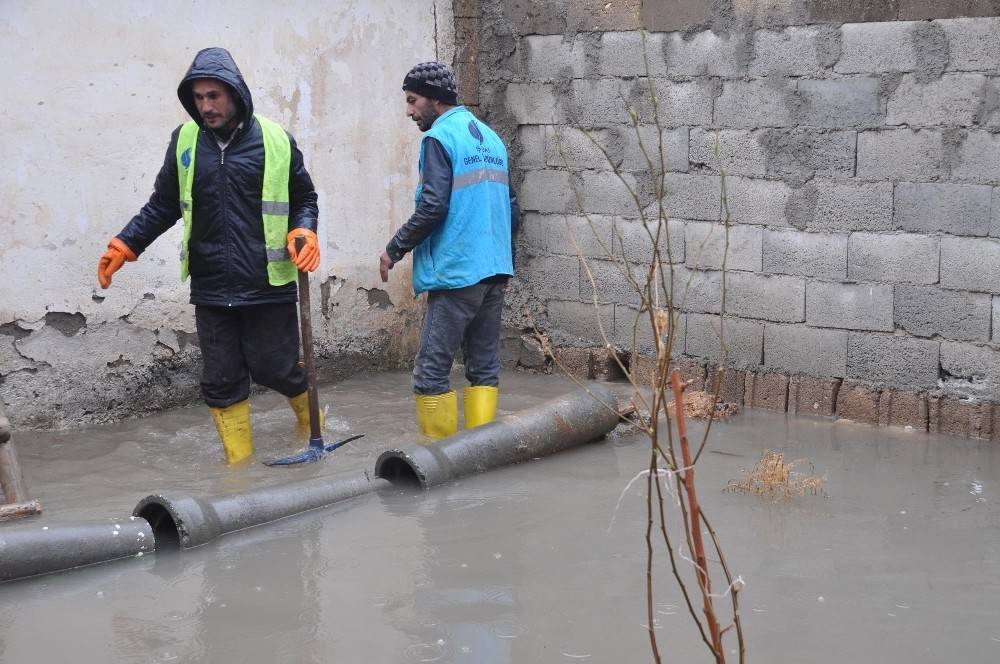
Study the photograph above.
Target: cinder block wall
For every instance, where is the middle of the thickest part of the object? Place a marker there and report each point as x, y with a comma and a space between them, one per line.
862, 156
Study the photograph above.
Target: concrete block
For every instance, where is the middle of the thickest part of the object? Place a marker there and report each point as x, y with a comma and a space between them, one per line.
996, 319
852, 11
793, 51
743, 339
622, 54
601, 16
531, 138
579, 323
766, 297
692, 371
633, 240
643, 370
951, 208
969, 370
758, 202
575, 362
978, 158
674, 143
633, 326
534, 103
756, 103
841, 102
808, 350
693, 196
707, 243
706, 54
843, 206
800, 154
598, 102
927, 311
849, 306
555, 277
903, 257
553, 57
698, 291
767, 390
604, 192
904, 408
970, 264
953, 99
821, 255
547, 191
995, 213
893, 360
901, 154
729, 384
611, 281
671, 15
739, 152
924, 9
564, 234
808, 395
577, 149
973, 43
858, 402
684, 104
608, 364
876, 48
959, 417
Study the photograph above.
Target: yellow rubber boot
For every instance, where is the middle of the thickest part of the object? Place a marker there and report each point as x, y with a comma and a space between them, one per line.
437, 414
480, 405
300, 406
233, 424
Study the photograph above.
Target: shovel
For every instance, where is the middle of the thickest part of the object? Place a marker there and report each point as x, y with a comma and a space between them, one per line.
317, 449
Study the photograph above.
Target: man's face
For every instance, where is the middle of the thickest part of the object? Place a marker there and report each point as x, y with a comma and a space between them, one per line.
421, 110
215, 103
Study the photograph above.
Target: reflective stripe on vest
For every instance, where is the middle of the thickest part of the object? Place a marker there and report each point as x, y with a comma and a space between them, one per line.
274, 195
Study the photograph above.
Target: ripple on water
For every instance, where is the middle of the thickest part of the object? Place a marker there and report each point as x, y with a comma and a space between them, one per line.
426, 652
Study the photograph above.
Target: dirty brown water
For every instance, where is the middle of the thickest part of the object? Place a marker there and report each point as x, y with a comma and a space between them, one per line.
900, 563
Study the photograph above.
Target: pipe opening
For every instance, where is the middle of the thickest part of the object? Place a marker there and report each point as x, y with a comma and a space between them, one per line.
165, 534
397, 471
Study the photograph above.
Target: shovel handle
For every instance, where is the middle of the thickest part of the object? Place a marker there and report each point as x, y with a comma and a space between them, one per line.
305, 325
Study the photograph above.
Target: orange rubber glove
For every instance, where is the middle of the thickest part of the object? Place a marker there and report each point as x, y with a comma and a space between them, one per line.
306, 260
115, 256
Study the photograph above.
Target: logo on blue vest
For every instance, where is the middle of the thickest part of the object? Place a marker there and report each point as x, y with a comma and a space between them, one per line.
186, 158
474, 130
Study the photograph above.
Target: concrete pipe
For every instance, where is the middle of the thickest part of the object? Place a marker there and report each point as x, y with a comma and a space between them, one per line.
28, 550
183, 521
550, 427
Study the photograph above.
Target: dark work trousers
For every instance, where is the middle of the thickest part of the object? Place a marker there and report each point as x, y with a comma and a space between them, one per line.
466, 318
258, 342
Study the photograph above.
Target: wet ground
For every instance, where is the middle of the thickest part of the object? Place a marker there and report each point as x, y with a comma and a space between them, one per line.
899, 563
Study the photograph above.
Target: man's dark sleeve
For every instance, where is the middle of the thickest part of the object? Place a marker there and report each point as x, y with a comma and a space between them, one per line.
303, 211
161, 211
434, 200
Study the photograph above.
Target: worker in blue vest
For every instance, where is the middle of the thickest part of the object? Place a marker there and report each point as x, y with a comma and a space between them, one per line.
461, 235
239, 183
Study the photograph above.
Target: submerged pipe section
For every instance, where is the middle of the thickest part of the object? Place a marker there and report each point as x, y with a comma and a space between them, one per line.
29, 550
182, 521
553, 426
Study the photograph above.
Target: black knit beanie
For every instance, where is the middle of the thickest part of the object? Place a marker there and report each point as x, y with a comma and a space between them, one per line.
433, 80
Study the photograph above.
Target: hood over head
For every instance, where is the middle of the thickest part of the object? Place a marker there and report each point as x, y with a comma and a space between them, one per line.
218, 64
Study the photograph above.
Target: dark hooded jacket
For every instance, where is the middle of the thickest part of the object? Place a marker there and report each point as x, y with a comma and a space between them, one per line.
227, 257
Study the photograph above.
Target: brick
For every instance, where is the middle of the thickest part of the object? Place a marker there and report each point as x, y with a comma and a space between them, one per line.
633, 326
757, 103
904, 408
643, 369
973, 44
706, 54
970, 370
970, 264
547, 191
758, 202
555, 277
877, 48
767, 390
926, 311
740, 153
808, 350
729, 384
793, 51
904, 257
577, 322
605, 192
839, 103
556, 233
575, 362
893, 360
800, 154
634, 241
466, 8
953, 99
576, 149
978, 158
468, 84
923, 9
707, 244
744, 339
671, 15
808, 395
849, 306
950, 208
698, 291
901, 154
598, 102
848, 206
683, 104
959, 417
792, 252
552, 57
611, 282
858, 402
693, 196
534, 103
674, 145
692, 370
531, 139
466, 39
622, 54
767, 297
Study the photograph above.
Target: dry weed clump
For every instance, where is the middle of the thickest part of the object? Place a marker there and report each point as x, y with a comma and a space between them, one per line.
698, 405
773, 477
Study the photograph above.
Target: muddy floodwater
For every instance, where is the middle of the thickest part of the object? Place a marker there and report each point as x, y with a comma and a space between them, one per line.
900, 562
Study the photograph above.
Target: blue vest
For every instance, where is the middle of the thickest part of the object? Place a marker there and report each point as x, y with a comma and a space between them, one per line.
473, 243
